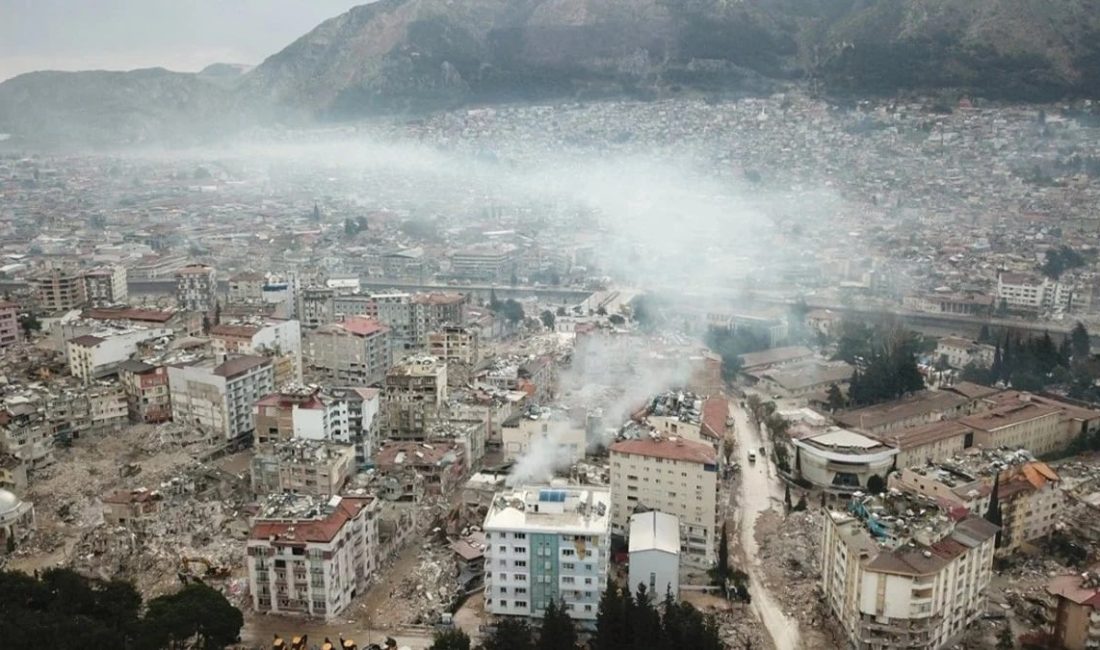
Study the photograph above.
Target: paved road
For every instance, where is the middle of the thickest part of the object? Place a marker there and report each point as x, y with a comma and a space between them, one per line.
759, 490
258, 632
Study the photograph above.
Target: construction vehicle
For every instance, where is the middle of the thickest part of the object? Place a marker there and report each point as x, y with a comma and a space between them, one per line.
208, 570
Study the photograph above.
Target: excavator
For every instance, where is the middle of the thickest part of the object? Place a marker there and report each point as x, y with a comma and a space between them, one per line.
187, 572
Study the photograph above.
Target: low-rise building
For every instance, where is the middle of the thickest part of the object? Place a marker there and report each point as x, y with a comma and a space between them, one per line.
654, 547
961, 352
344, 415
671, 475
311, 557
218, 398
1023, 424
922, 407
99, 355
842, 461
302, 466
246, 287
545, 544
804, 379
1075, 611
133, 509
899, 571
775, 358
932, 442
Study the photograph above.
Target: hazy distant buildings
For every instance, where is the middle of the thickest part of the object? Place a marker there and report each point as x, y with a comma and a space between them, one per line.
196, 288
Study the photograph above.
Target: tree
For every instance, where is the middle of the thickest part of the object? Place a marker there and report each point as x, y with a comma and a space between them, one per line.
511, 633
616, 319
512, 311
195, 612
1059, 260
316, 212
452, 639
722, 569
547, 318
993, 512
558, 632
983, 334
30, 323
1005, 641
1080, 345
787, 497
351, 228
875, 484
561, 312
835, 398
494, 304
612, 631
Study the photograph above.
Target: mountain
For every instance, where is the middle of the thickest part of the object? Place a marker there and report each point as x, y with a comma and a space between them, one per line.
100, 108
400, 54
409, 55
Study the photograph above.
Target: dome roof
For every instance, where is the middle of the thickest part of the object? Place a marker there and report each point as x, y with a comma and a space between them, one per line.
8, 502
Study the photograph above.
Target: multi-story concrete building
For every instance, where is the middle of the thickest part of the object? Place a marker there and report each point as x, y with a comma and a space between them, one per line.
554, 434
94, 356
218, 398
107, 409
10, 332
281, 340
317, 307
106, 286
898, 572
927, 443
355, 351
545, 544
413, 396
302, 466
344, 415
394, 308
442, 464
672, 475
431, 311
482, 263
1029, 492
1028, 425
1074, 611
26, 432
146, 387
246, 287
311, 557
961, 352
1029, 293
197, 288
456, 344
57, 290
840, 461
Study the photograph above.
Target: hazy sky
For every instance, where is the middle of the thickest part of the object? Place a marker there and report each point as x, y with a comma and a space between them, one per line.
181, 35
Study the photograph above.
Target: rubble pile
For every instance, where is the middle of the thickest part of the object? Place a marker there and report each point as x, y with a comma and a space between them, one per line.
422, 596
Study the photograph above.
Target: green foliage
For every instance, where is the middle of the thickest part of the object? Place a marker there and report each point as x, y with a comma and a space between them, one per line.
836, 398
875, 484
977, 374
1059, 260
1080, 345
353, 227
452, 639
644, 312
558, 632
993, 512
626, 622
512, 311
30, 323
616, 319
511, 633
887, 376
730, 345
197, 611
548, 319
1005, 641
419, 229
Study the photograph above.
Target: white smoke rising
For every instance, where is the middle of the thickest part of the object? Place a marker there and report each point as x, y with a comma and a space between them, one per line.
545, 456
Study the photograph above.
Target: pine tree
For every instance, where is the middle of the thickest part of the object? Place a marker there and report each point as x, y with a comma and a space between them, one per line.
316, 212
835, 398
453, 639
722, 570
993, 513
558, 632
787, 497
511, 633
612, 632
1080, 343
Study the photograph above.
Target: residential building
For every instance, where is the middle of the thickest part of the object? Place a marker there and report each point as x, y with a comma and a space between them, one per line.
1024, 424
413, 397
804, 380
654, 546
94, 356
394, 308
106, 286
10, 331
107, 409
961, 352
146, 388
921, 407
311, 557
545, 544
196, 288
487, 263
247, 287
932, 442
25, 432
671, 475
344, 415
840, 461
688, 416
898, 571
1075, 611
218, 398
58, 290
1029, 492
355, 351
431, 311
456, 344
317, 307
182, 323
301, 466
551, 433
1029, 293
132, 509
281, 340
442, 464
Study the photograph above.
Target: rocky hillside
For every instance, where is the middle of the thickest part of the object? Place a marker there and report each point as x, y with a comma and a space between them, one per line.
398, 55
109, 108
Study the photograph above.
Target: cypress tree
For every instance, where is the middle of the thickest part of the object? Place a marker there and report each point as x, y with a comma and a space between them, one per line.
993, 513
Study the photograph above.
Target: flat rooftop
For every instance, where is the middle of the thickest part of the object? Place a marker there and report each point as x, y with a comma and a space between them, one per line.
570, 510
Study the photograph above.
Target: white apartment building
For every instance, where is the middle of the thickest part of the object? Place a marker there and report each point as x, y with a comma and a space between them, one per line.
196, 288
355, 351
106, 286
898, 572
671, 475
98, 355
276, 338
311, 557
552, 432
545, 544
961, 352
344, 415
1030, 293
218, 398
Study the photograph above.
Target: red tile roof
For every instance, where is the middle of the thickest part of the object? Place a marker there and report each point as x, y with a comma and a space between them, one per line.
239, 365
150, 315
244, 331
715, 412
668, 447
363, 326
317, 531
